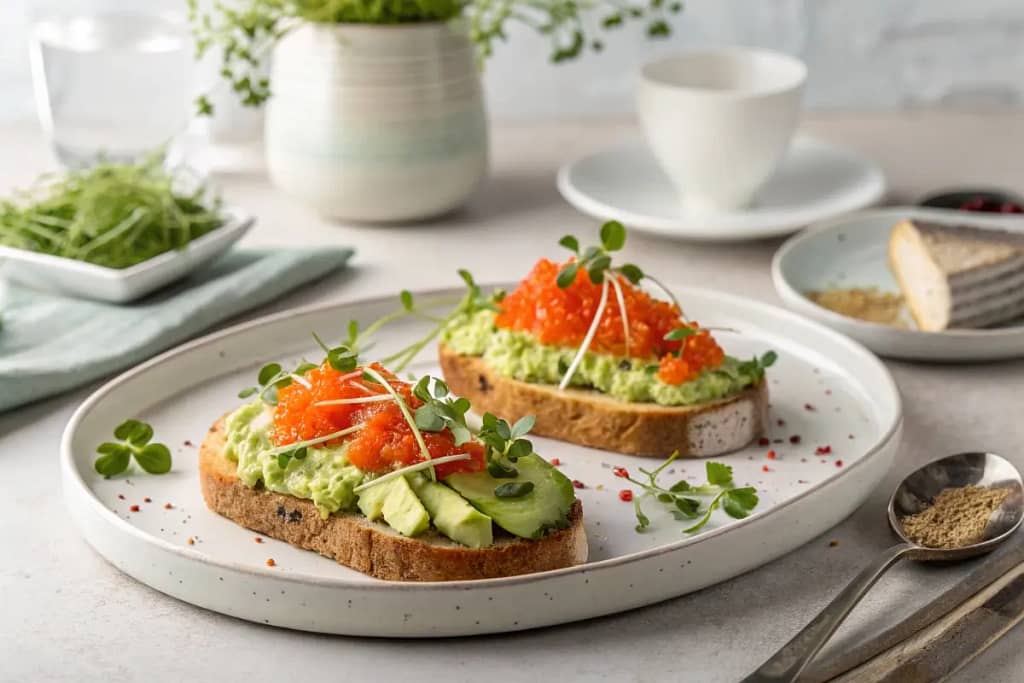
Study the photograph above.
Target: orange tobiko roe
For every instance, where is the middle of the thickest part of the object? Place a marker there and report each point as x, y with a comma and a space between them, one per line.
385, 443
559, 316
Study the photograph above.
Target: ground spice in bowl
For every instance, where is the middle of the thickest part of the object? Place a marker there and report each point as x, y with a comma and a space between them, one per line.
956, 518
863, 303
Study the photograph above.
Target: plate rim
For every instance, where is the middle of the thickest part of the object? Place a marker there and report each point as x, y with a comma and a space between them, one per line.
71, 476
765, 226
795, 299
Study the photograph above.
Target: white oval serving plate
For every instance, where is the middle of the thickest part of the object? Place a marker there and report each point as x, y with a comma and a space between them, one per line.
816, 180
825, 388
120, 285
852, 252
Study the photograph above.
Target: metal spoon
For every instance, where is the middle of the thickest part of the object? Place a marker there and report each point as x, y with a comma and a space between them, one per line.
912, 495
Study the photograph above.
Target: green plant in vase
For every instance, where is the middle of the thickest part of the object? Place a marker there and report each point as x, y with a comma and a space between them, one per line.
377, 112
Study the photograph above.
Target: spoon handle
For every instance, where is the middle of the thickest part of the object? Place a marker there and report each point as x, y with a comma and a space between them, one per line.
790, 660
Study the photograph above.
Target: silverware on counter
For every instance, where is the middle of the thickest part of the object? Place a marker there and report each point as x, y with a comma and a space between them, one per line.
910, 497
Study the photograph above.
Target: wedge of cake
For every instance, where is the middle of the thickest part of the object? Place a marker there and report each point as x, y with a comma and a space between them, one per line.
958, 276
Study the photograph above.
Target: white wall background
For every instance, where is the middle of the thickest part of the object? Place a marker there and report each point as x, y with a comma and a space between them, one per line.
864, 54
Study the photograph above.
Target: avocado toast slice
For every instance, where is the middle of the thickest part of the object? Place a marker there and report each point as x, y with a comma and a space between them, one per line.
602, 362
373, 547
386, 477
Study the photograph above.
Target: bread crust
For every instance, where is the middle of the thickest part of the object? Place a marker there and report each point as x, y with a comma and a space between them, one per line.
374, 548
590, 418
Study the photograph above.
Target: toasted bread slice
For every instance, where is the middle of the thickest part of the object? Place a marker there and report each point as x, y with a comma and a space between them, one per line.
374, 548
590, 418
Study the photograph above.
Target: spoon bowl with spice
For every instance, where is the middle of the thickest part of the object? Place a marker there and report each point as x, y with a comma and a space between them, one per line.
953, 508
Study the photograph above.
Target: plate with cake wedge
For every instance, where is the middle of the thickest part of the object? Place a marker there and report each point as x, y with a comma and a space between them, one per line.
911, 282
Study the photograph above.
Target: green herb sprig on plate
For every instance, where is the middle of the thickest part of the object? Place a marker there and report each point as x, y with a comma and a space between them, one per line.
134, 439
113, 215
680, 497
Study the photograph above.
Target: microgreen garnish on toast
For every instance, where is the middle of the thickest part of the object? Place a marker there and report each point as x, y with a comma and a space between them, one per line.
134, 439
679, 498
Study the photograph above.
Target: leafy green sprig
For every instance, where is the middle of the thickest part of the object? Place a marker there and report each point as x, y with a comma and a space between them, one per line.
504, 443
597, 261
273, 377
244, 32
134, 440
472, 301
679, 497
440, 411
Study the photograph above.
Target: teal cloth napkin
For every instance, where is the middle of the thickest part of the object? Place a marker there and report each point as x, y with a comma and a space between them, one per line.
50, 344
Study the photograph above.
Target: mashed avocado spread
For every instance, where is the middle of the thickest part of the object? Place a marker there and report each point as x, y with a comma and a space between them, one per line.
462, 507
520, 356
324, 476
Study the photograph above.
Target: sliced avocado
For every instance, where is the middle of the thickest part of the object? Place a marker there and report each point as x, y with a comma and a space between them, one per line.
451, 514
545, 507
396, 502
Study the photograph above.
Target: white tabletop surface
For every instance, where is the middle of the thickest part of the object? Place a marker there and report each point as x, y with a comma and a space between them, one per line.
68, 615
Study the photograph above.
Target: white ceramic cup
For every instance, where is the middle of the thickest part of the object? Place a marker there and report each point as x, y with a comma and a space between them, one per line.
719, 121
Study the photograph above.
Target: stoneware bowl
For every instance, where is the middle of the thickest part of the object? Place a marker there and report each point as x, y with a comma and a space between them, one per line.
376, 123
719, 122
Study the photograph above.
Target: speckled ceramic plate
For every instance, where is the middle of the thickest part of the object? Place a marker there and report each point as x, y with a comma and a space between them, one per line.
828, 391
852, 251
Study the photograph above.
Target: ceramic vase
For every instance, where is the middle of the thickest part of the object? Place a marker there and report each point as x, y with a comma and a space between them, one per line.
376, 123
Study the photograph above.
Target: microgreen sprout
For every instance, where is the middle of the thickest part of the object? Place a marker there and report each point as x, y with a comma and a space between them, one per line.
273, 377
134, 439
680, 497
472, 301
505, 444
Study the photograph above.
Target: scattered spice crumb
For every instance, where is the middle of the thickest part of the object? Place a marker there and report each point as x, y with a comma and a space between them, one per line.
833, 543
772, 455
120, 496
600, 487
828, 392
765, 468
850, 436
555, 461
763, 441
802, 481
147, 499
167, 506
822, 450
134, 508
803, 459
620, 472
188, 443
839, 463
576, 483
808, 406
270, 562
258, 539
780, 422
823, 461
795, 438
777, 441
191, 540
625, 495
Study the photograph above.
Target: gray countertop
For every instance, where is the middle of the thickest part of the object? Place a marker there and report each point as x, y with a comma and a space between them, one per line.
67, 614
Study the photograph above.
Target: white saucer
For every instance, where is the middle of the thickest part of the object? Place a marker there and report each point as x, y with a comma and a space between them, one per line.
851, 252
817, 180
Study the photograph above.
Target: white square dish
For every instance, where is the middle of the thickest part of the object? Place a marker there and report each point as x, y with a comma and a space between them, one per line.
120, 285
